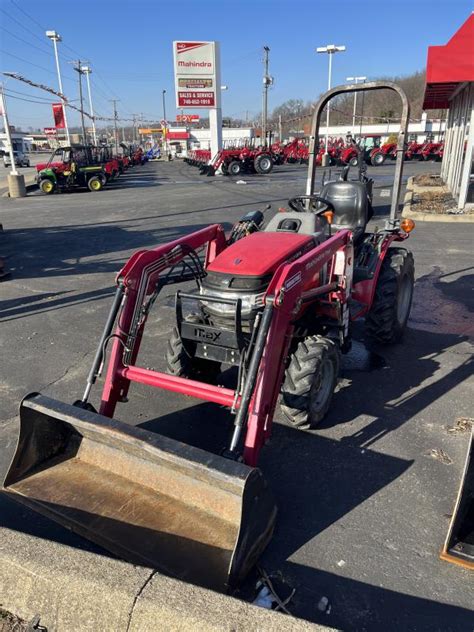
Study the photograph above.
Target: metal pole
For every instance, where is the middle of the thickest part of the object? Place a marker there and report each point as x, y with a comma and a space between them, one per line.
3, 107
266, 83
66, 126
280, 129
114, 101
354, 113
165, 142
362, 114
327, 107
87, 72
78, 69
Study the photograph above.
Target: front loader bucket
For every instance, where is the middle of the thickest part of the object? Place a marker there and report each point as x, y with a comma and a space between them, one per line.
459, 545
149, 499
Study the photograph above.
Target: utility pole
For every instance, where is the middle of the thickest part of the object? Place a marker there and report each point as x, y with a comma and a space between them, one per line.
134, 129
87, 71
114, 101
55, 38
267, 82
78, 69
280, 129
164, 127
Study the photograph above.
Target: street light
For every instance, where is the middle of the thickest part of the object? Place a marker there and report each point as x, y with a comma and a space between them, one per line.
87, 71
165, 142
330, 49
55, 38
356, 80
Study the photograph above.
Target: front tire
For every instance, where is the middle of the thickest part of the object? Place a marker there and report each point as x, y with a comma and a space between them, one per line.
182, 363
354, 161
310, 380
378, 159
388, 316
46, 186
234, 168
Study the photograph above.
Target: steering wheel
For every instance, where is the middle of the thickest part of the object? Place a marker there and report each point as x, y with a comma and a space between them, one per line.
297, 204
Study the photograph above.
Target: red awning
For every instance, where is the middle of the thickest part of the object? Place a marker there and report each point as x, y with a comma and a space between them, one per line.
177, 135
449, 66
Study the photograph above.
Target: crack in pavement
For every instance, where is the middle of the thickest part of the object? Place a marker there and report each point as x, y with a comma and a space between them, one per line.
66, 371
137, 597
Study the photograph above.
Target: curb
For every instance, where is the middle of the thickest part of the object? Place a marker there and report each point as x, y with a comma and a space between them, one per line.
428, 217
73, 589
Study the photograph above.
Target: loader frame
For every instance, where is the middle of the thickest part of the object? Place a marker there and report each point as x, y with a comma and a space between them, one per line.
255, 404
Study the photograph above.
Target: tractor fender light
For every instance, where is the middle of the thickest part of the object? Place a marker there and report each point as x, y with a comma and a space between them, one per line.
407, 225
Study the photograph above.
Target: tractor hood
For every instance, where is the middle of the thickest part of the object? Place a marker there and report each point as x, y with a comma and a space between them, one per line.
260, 253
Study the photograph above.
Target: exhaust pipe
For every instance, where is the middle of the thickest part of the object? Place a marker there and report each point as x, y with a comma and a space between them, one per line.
149, 499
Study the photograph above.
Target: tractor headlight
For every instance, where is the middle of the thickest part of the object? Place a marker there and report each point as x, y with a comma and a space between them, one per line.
250, 303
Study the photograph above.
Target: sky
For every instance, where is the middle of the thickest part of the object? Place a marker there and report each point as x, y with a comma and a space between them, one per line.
128, 44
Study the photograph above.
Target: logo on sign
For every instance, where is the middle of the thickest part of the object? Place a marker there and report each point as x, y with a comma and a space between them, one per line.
184, 46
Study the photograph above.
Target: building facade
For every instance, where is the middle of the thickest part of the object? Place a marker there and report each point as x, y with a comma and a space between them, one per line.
450, 84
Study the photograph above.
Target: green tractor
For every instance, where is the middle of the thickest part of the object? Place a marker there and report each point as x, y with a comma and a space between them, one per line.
70, 168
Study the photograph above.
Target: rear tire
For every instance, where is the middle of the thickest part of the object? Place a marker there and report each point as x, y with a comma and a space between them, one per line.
387, 319
310, 380
354, 161
182, 363
263, 164
95, 184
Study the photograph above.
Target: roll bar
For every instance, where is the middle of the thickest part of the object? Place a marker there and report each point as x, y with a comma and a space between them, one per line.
314, 139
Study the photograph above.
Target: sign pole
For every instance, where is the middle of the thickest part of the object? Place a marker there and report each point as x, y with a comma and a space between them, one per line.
215, 114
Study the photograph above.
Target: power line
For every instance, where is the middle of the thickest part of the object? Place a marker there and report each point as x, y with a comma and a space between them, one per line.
22, 25
26, 61
25, 94
28, 15
10, 96
42, 50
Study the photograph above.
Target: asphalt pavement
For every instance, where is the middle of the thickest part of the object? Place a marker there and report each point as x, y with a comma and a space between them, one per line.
364, 500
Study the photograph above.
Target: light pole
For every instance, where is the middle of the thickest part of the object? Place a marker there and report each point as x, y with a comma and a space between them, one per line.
87, 71
330, 49
267, 82
55, 38
356, 81
165, 143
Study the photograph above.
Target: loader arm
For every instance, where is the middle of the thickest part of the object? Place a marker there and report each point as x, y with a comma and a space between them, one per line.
286, 294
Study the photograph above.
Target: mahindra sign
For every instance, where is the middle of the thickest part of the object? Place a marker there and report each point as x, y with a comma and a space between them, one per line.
196, 73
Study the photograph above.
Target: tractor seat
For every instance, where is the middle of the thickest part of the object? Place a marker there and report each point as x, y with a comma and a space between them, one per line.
350, 206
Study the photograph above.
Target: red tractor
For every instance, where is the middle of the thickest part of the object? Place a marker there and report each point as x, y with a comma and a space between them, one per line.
413, 150
283, 318
431, 150
241, 159
380, 155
